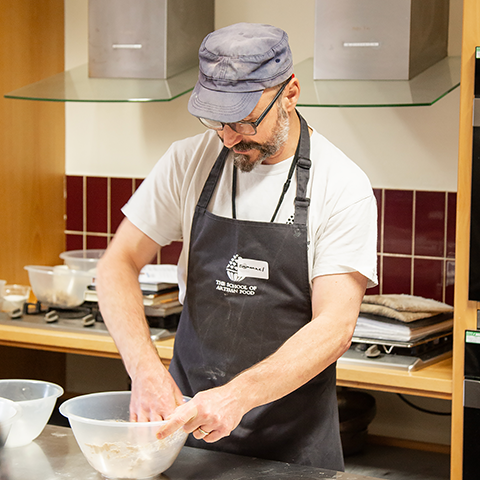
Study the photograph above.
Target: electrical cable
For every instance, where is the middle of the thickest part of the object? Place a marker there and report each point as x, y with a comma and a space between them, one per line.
431, 412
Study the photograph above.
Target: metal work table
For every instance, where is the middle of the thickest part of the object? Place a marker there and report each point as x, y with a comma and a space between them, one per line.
55, 455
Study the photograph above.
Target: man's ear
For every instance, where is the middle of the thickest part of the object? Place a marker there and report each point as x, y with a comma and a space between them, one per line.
291, 95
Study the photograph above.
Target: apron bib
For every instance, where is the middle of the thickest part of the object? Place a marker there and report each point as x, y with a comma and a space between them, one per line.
247, 292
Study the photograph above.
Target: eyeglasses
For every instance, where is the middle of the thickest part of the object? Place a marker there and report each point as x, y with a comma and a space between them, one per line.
244, 127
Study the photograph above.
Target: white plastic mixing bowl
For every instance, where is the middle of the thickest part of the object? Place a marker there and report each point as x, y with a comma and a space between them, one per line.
82, 259
8, 414
58, 286
35, 400
114, 446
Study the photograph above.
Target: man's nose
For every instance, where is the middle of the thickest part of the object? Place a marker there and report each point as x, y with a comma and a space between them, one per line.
230, 137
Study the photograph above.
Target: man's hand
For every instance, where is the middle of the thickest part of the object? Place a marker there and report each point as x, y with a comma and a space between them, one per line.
211, 415
155, 395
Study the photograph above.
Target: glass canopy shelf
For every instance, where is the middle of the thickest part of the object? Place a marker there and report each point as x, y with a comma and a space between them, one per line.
425, 89
76, 86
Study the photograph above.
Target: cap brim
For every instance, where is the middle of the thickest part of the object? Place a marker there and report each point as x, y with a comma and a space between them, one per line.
222, 106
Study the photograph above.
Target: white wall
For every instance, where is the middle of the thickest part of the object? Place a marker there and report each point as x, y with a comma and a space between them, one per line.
404, 147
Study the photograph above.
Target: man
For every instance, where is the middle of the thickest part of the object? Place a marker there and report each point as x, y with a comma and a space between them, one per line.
279, 232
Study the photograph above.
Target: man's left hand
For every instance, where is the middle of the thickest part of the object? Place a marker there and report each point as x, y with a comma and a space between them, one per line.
210, 415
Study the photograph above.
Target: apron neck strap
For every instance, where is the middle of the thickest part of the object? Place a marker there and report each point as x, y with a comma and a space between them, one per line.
303, 173
301, 163
212, 179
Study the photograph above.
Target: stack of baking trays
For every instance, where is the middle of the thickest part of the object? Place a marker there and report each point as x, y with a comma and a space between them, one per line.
159, 287
404, 332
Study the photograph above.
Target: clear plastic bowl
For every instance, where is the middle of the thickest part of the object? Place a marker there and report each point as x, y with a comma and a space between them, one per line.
114, 446
82, 259
35, 400
58, 286
8, 414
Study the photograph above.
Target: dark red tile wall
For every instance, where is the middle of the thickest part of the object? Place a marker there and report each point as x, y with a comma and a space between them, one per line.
430, 224
74, 208
397, 221
416, 253
416, 241
121, 190
451, 223
97, 204
395, 275
94, 212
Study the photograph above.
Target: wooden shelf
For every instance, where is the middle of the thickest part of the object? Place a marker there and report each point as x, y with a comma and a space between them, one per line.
433, 381
70, 342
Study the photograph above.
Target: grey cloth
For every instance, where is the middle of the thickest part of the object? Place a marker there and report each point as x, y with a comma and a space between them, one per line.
406, 308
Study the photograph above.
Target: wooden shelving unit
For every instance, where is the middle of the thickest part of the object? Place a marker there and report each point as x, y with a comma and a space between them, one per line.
465, 311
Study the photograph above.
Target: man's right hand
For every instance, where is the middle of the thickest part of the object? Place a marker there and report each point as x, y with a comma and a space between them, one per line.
155, 395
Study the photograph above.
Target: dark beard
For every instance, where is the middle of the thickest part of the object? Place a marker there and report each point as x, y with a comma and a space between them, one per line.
244, 163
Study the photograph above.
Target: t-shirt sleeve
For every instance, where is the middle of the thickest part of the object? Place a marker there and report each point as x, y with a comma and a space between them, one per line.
163, 205
155, 206
348, 242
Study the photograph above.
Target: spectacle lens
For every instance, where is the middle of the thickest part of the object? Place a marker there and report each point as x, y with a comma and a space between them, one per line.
244, 127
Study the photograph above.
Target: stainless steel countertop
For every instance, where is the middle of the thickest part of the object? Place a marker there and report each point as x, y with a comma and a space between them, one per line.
55, 455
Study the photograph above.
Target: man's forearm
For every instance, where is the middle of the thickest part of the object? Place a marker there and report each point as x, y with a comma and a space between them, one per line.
121, 304
336, 302
298, 360
154, 393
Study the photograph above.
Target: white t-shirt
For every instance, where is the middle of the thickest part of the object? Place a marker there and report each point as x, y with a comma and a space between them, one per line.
342, 219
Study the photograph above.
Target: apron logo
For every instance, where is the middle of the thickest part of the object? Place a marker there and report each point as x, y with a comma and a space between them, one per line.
239, 268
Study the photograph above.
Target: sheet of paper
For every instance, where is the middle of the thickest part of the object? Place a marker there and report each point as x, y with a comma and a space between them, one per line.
158, 274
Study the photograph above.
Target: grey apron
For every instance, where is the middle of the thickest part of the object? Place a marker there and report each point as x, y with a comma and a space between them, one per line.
248, 291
